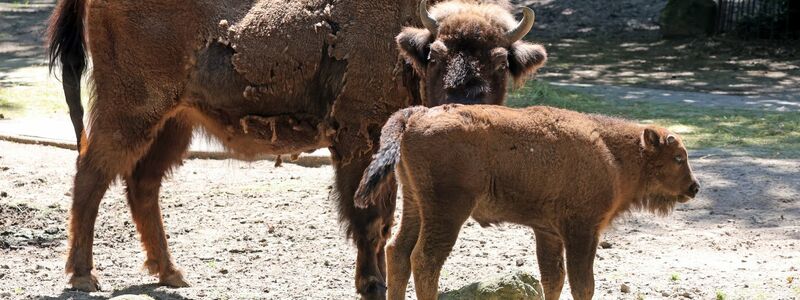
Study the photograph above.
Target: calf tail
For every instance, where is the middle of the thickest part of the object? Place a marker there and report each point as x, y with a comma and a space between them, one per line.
66, 44
381, 170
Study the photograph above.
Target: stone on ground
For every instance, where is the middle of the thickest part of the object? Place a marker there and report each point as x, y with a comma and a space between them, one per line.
515, 286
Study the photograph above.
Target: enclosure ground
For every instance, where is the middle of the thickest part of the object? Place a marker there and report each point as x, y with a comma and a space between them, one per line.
249, 230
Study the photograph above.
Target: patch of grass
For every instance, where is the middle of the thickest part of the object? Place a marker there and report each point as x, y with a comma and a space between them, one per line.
773, 134
720, 295
35, 96
674, 277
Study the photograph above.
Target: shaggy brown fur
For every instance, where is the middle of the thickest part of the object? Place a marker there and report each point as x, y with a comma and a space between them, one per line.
263, 76
563, 173
469, 58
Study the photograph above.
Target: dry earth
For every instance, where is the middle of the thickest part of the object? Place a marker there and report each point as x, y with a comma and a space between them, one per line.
249, 230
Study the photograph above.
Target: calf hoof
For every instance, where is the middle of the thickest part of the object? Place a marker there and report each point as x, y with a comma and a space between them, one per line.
85, 283
374, 290
175, 280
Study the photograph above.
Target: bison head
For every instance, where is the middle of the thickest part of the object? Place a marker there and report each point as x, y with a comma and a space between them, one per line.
467, 51
668, 175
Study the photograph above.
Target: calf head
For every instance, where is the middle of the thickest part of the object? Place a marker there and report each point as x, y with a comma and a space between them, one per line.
667, 173
467, 51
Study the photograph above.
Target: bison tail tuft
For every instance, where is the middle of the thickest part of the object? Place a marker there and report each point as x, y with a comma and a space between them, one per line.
381, 170
67, 46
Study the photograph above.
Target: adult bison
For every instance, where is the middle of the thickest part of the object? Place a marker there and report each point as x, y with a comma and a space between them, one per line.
264, 76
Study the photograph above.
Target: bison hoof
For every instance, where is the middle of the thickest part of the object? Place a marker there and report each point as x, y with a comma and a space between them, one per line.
174, 280
86, 283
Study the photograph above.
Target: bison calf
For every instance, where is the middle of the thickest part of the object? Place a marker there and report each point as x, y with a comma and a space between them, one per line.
565, 174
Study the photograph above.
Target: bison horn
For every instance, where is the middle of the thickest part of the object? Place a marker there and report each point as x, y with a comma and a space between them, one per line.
430, 23
523, 27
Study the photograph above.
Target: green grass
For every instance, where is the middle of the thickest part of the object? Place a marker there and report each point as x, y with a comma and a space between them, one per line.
35, 96
721, 295
761, 133
674, 277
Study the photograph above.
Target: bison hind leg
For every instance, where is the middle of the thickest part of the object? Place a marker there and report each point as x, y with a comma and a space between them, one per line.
143, 186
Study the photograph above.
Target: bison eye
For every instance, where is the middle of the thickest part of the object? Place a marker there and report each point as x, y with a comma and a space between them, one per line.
678, 159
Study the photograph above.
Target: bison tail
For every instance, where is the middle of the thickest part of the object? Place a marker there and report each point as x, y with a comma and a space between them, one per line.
381, 170
66, 45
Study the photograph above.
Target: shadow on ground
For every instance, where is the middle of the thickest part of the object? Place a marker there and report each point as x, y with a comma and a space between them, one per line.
151, 290
753, 193
22, 28
714, 65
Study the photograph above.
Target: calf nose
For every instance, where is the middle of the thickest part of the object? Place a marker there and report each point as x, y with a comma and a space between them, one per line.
694, 188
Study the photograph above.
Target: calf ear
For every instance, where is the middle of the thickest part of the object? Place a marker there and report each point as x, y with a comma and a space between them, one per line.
650, 138
414, 46
525, 58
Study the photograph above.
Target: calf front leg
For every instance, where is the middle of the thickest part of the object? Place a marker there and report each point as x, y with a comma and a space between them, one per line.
581, 245
550, 254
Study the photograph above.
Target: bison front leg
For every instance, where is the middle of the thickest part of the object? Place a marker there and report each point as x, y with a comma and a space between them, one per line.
369, 228
581, 245
550, 255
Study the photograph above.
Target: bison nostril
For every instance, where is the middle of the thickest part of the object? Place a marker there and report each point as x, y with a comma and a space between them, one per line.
694, 188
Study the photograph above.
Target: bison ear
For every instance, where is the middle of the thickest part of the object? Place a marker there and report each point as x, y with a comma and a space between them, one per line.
525, 58
414, 45
651, 139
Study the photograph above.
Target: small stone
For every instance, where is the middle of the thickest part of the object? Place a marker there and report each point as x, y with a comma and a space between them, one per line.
51, 230
519, 285
520, 262
664, 294
223, 271
686, 295
624, 288
3, 194
271, 229
605, 245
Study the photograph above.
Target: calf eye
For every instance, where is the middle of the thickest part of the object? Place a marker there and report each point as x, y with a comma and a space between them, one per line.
678, 159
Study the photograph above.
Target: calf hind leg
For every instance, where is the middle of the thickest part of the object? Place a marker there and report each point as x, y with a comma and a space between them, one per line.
399, 249
143, 187
437, 236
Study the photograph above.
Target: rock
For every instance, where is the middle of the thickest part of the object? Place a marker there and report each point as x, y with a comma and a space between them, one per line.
3, 194
688, 18
520, 262
132, 297
605, 245
624, 288
519, 285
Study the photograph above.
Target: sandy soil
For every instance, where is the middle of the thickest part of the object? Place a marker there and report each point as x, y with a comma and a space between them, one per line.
249, 230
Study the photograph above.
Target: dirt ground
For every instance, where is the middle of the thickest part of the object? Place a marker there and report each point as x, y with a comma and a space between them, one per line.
249, 230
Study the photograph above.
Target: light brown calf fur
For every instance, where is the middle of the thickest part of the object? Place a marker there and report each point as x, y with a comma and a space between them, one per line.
565, 174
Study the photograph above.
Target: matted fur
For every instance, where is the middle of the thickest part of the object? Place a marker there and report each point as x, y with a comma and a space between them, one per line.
565, 174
